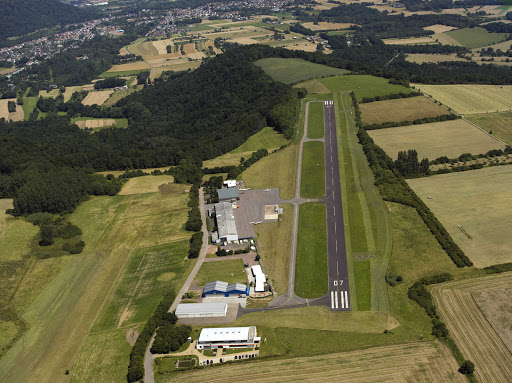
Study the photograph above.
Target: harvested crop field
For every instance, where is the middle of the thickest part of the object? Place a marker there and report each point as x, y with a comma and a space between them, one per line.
500, 124
401, 109
409, 41
14, 116
420, 58
471, 99
439, 28
325, 26
471, 330
447, 138
97, 98
413, 362
481, 203
139, 65
96, 123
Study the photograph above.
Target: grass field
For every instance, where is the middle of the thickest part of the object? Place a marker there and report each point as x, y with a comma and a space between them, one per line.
448, 138
226, 159
363, 85
500, 124
402, 109
313, 170
55, 92
29, 104
476, 37
68, 306
267, 138
100, 123
313, 87
420, 58
311, 266
275, 241
151, 184
230, 271
118, 95
316, 120
97, 98
471, 99
363, 281
477, 200
470, 329
410, 41
291, 71
420, 362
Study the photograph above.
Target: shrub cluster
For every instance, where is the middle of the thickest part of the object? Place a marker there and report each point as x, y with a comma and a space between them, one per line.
196, 241
194, 222
159, 317
394, 279
392, 96
496, 269
426, 120
74, 248
255, 156
170, 338
394, 188
52, 227
111, 82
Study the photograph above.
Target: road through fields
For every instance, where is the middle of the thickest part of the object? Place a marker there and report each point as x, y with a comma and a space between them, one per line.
336, 249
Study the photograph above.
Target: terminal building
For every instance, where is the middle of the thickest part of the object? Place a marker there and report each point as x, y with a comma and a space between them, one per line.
226, 225
201, 310
220, 288
231, 337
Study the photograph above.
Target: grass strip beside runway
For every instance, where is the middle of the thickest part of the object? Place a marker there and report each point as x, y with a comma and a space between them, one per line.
313, 170
311, 268
316, 120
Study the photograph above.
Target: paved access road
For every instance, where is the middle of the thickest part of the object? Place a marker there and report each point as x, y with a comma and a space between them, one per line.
339, 293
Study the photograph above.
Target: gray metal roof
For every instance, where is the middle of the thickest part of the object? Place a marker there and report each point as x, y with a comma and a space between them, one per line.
236, 287
201, 308
216, 286
228, 193
225, 219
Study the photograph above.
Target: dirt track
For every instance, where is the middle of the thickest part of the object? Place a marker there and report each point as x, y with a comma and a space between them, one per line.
470, 328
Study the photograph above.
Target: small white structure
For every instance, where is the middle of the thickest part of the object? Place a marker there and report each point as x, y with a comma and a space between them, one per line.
259, 277
201, 310
230, 183
228, 337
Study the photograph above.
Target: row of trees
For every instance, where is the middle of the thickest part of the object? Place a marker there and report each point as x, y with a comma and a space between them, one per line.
425, 120
392, 96
409, 166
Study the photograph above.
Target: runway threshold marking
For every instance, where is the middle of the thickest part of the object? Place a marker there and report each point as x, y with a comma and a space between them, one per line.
332, 299
342, 300
336, 299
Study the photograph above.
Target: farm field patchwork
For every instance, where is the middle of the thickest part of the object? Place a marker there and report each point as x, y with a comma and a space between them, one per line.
313, 170
402, 109
275, 242
470, 328
500, 124
97, 98
363, 85
291, 71
477, 200
267, 138
425, 361
311, 265
447, 138
476, 37
471, 99
316, 120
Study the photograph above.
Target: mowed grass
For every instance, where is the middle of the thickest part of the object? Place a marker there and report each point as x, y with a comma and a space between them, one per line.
363, 277
420, 361
152, 184
499, 124
267, 138
230, 271
480, 201
363, 85
402, 109
476, 37
311, 265
316, 120
275, 241
471, 99
291, 71
62, 315
448, 138
471, 330
313, 170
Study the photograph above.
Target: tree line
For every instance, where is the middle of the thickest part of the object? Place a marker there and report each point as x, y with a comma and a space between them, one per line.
418, 121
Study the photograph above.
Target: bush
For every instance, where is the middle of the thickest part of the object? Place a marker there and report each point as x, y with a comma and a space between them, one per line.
393, 279
74, 248
69, 231
496, 269
196, 242
39, 219
194, 222
112, 82
170, 338
467, 368
47, 235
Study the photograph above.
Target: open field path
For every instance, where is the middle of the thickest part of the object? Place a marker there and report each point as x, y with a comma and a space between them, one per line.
471, 330
149, 376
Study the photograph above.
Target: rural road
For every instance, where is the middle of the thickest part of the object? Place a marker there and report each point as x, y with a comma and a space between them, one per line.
149, 376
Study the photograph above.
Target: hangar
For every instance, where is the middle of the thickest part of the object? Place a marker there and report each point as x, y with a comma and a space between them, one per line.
201, 310
230, 337
222, 288
228, 194
226, 222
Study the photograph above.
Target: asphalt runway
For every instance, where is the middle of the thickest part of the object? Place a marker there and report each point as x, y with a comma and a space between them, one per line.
339, 294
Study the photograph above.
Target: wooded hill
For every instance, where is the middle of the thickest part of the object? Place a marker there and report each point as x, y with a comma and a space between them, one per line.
20, 17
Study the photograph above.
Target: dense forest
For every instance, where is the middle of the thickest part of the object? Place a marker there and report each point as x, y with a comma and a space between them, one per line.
193, 117
20, 17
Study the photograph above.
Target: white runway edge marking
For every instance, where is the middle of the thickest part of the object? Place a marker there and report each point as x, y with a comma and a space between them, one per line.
346, 299
336, 299
342, 300
332, 299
